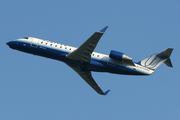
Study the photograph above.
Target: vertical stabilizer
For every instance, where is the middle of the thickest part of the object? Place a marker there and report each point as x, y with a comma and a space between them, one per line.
156, 60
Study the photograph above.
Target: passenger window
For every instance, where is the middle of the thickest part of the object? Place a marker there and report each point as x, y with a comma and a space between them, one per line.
97, 55
55, 45
41, 42
70, 49
60, 46
51, 44
65, 47
46, 43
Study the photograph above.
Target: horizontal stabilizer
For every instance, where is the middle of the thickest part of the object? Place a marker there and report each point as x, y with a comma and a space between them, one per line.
166, 53
168, 62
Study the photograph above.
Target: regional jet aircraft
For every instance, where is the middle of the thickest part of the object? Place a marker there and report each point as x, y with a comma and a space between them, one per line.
83, 60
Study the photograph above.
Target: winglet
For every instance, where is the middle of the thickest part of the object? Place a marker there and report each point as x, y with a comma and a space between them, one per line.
104, 29
106, 92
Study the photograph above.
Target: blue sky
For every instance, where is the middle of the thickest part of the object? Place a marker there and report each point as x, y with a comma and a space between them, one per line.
33, 87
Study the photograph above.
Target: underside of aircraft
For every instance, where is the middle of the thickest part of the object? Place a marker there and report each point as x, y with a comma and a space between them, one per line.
83, 60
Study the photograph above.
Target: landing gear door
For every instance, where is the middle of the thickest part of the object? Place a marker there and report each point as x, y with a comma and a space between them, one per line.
34, 42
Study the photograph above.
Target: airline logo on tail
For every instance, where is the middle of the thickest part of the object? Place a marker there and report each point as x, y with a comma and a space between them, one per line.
154, 61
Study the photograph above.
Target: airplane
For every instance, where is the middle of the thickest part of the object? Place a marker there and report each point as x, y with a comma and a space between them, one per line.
83, 60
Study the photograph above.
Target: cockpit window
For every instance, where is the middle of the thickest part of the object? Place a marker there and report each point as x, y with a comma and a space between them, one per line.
26, 37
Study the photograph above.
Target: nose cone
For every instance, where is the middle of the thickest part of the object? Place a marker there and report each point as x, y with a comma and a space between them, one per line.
8, 43
11, 44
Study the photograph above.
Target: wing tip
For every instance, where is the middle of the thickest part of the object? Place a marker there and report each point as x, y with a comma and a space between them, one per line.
106, 92
104, 29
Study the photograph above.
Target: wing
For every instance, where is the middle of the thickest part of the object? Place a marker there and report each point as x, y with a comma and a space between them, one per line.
83, 53
86, 75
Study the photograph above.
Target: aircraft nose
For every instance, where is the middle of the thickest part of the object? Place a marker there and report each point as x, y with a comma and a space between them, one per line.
7, 43
11, 44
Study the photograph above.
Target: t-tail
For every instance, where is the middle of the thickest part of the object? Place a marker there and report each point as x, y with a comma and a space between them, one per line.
154, 61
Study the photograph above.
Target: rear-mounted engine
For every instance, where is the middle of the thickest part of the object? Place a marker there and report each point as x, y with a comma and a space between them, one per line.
118, 56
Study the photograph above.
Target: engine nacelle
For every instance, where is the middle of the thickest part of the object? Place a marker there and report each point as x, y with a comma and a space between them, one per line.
118, 56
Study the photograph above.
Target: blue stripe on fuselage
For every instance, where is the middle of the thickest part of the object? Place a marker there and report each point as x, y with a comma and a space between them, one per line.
97, 64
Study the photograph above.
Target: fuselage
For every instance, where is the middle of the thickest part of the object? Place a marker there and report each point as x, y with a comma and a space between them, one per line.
99, 62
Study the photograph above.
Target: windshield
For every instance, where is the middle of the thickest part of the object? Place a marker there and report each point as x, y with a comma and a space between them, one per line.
26, 38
